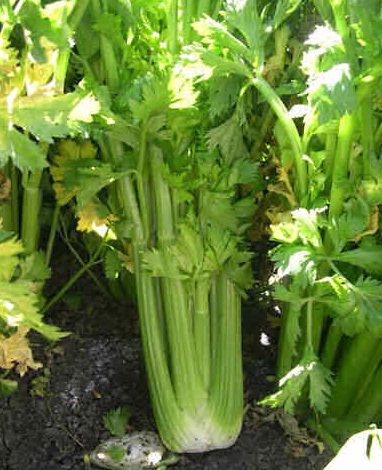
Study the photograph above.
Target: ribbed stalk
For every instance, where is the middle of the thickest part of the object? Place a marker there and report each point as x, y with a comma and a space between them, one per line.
350, 373
188, 386
226, 391
202, 329
367, 399
367, 409
9, 209
290, 129
172, 25
30, 225
52, 234
77, 13
341, 165
331, 347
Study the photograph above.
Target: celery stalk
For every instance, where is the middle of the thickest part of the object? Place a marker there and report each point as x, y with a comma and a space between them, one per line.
351, 372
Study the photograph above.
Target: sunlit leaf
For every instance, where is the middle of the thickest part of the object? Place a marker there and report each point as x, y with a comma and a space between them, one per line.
23, 152
309, 372
19, 306
46, 117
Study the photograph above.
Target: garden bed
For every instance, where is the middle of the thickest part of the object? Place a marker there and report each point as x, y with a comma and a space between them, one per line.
100, 367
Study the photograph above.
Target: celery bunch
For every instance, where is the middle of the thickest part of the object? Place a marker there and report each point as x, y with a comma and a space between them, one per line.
176, 193
328, 229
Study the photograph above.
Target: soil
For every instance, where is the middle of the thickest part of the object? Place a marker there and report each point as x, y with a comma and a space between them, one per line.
56, 417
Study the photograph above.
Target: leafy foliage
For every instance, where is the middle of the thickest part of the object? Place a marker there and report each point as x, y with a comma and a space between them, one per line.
308, 370
116, 421
20, 302
19, 299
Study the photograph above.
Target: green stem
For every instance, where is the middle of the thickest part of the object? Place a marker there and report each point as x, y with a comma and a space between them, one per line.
338, 189
309, 325
188, 387
142, 193
330, 154
350, 372
9, 209
202, 328
226, 390
203, 8
367, 401
30, 224
171, 421
216, 7
52, 234
331, 347
110, 68
77, 13
365, 93
172, 25
60, 69
74, 278
290, 129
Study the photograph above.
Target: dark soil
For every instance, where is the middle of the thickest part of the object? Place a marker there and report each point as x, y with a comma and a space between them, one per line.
99, 367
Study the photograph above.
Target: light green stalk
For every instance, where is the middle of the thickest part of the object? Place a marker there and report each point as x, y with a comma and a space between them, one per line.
340, 173
290, 129
30, 225
172, 24
9, 209
351, 372
202, 328
226, 390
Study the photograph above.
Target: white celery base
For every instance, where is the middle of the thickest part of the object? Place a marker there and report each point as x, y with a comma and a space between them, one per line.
201, 434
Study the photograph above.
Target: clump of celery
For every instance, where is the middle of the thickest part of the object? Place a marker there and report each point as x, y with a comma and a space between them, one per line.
181, 193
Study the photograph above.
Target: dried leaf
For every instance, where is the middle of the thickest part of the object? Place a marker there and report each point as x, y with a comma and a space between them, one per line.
15, 351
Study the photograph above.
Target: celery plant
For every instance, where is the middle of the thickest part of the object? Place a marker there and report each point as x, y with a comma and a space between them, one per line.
327, 225
35, 47
179, 219
329, 241
34, 54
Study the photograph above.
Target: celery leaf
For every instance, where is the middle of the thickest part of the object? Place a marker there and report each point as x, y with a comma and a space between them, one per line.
116, 421
351, 223
112, 264
356, 307
284, 8
228, 137
308, 372
223, 94
332, 94
46, 117
365, 257
19, 306
24, 152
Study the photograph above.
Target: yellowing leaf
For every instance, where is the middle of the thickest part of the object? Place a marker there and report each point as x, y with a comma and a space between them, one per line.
15, 351
11, 247
90, 220
68, 151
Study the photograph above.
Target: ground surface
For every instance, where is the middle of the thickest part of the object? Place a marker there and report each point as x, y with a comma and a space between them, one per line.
99, 367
